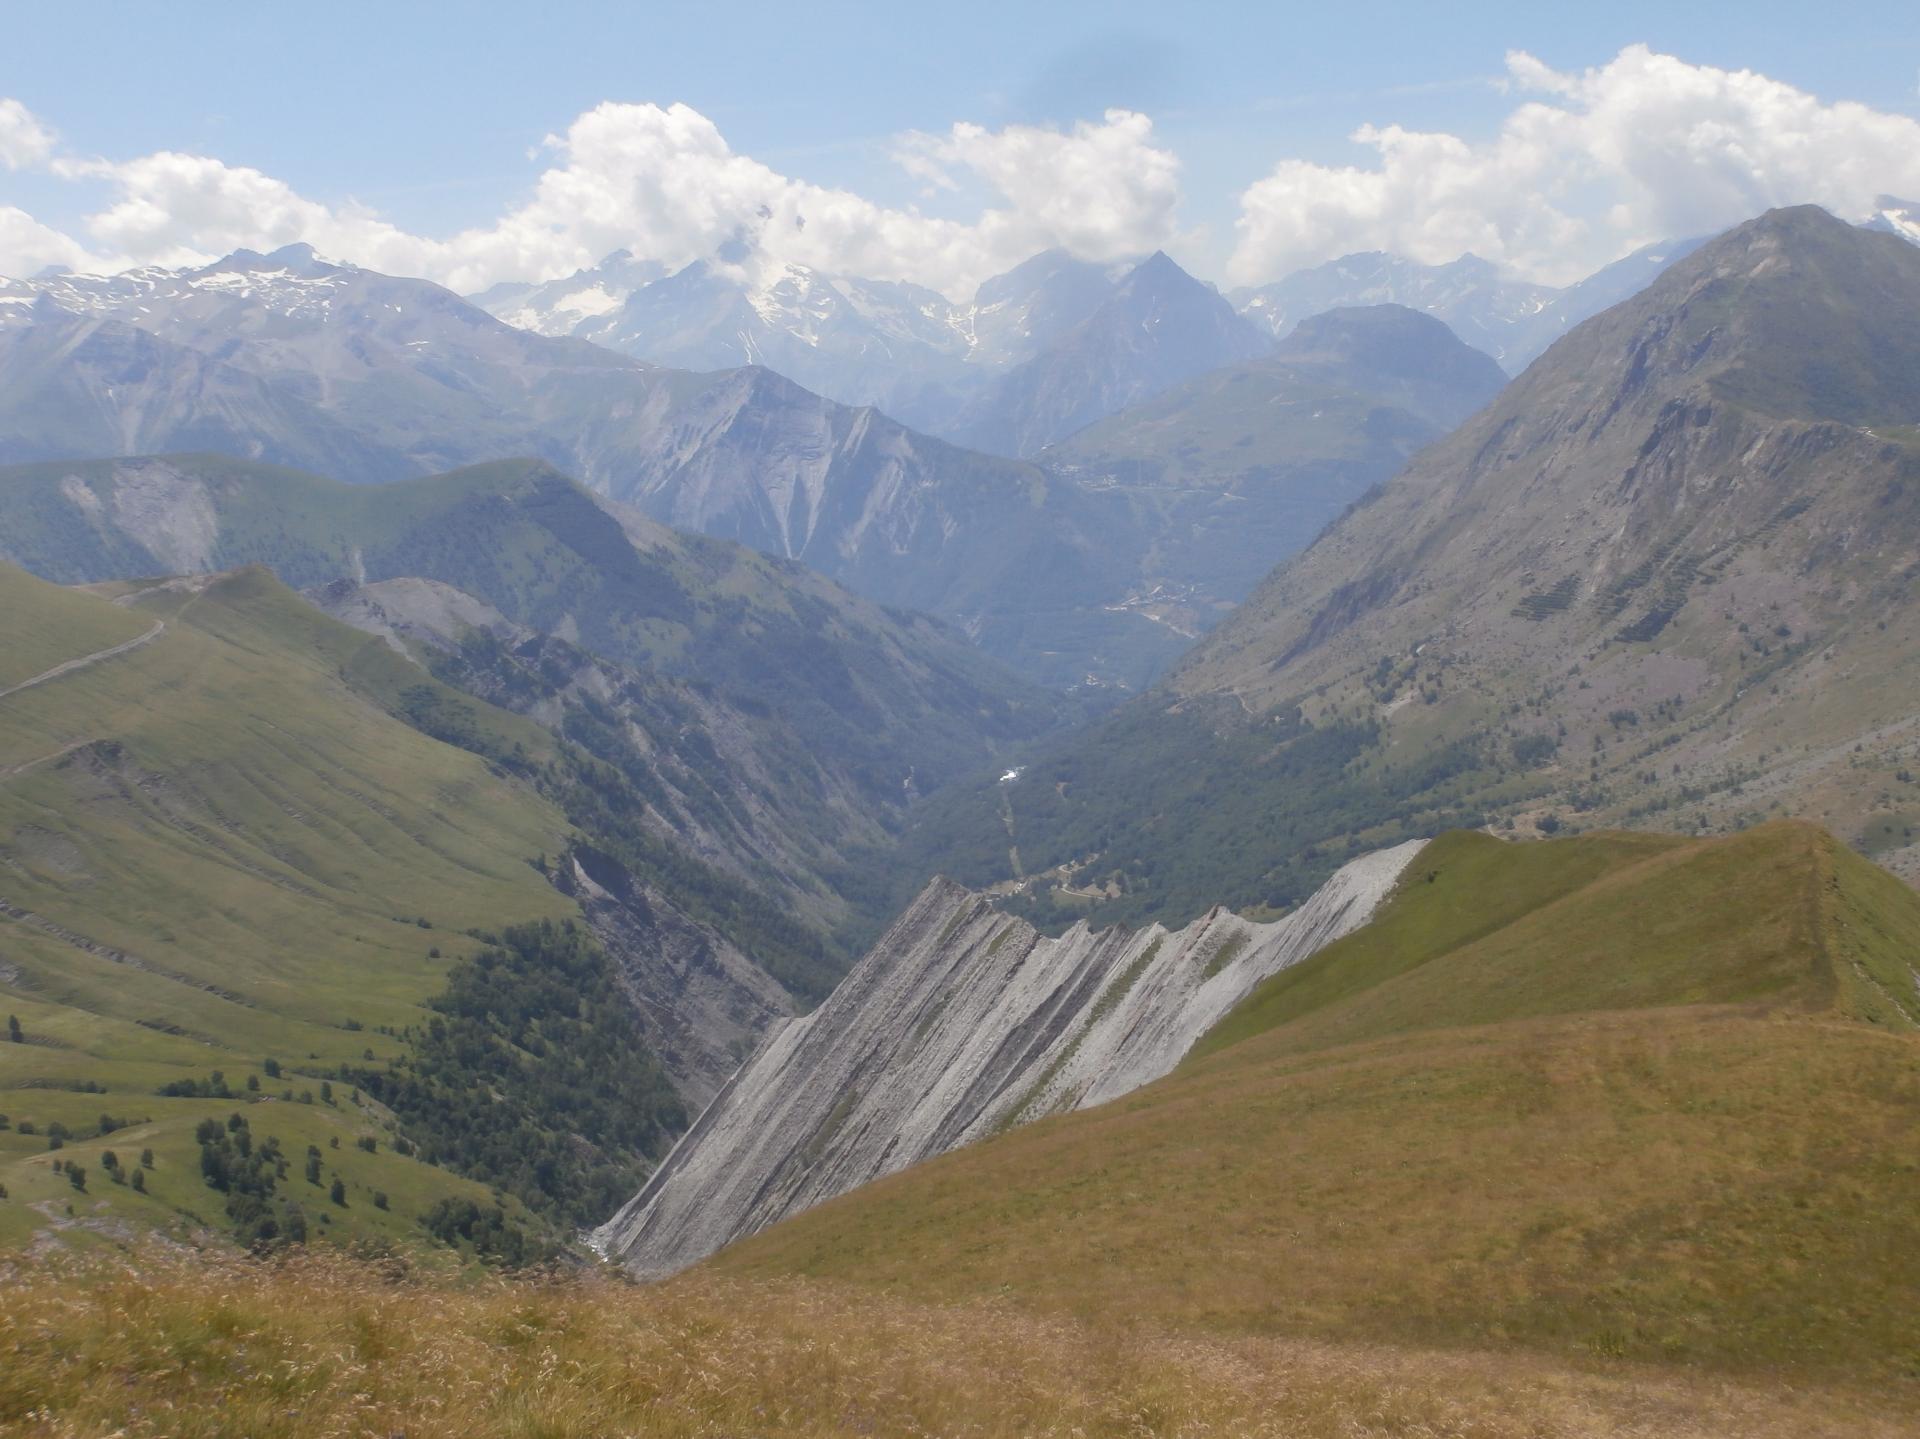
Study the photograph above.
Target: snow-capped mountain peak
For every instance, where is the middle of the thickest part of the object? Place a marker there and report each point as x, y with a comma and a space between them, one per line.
564, 306
1895, 216
292, 281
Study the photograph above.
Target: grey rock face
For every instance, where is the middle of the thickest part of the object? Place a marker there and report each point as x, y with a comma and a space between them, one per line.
702, 1003
408, 609
960, 1023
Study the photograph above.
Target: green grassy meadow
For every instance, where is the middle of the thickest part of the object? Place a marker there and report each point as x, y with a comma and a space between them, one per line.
216, 850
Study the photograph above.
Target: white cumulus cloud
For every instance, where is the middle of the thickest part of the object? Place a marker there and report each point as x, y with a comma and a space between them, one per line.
662, 182
24, 141
27, 246
1587, 166
1583, 167
1102, 190
175, 209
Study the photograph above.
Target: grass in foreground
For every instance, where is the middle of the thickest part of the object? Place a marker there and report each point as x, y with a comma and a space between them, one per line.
329, 1346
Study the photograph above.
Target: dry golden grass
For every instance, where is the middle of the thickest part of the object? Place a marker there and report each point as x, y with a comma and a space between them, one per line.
1737, 1193
324, 1345
1705, 1159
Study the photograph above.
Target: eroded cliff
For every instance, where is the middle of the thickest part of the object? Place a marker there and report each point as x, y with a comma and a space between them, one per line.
960, 1022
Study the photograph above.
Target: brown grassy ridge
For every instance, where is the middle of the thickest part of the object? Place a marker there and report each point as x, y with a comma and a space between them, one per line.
1657, 1101
324, 1345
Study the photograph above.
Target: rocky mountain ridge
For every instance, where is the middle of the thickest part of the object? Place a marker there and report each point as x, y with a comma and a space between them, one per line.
1056, 570
290, 360
960, 1023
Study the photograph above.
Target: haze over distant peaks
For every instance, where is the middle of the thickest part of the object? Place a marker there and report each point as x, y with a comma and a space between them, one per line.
939, 366
1512, 320
1665, 577
1159, 326
902, 347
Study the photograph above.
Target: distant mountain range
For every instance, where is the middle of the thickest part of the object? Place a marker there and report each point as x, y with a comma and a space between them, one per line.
1177, 450
925, 360
291, 360
1158, 327
1038, 352
1512, 320
938, 366
287, 359
712, 315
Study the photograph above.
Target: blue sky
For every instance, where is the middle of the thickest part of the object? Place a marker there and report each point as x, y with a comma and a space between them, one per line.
430, 115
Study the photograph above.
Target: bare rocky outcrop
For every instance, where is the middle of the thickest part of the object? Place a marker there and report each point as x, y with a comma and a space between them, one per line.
701, 1002
413, 610
961, 1022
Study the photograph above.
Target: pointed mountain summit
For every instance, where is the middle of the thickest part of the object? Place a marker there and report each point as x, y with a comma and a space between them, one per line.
301, 255
1746, 379
298, 261
695, 318
1034, 305
1160, 326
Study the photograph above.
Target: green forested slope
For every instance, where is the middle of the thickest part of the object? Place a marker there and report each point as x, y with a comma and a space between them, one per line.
220, 854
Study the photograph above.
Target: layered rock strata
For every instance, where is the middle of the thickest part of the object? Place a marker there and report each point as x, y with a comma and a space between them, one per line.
960, 1023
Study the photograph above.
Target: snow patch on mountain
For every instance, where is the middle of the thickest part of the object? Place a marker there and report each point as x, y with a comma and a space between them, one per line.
1895, 216
292, 282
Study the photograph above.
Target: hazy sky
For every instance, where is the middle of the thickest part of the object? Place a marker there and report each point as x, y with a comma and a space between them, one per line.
491, 141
